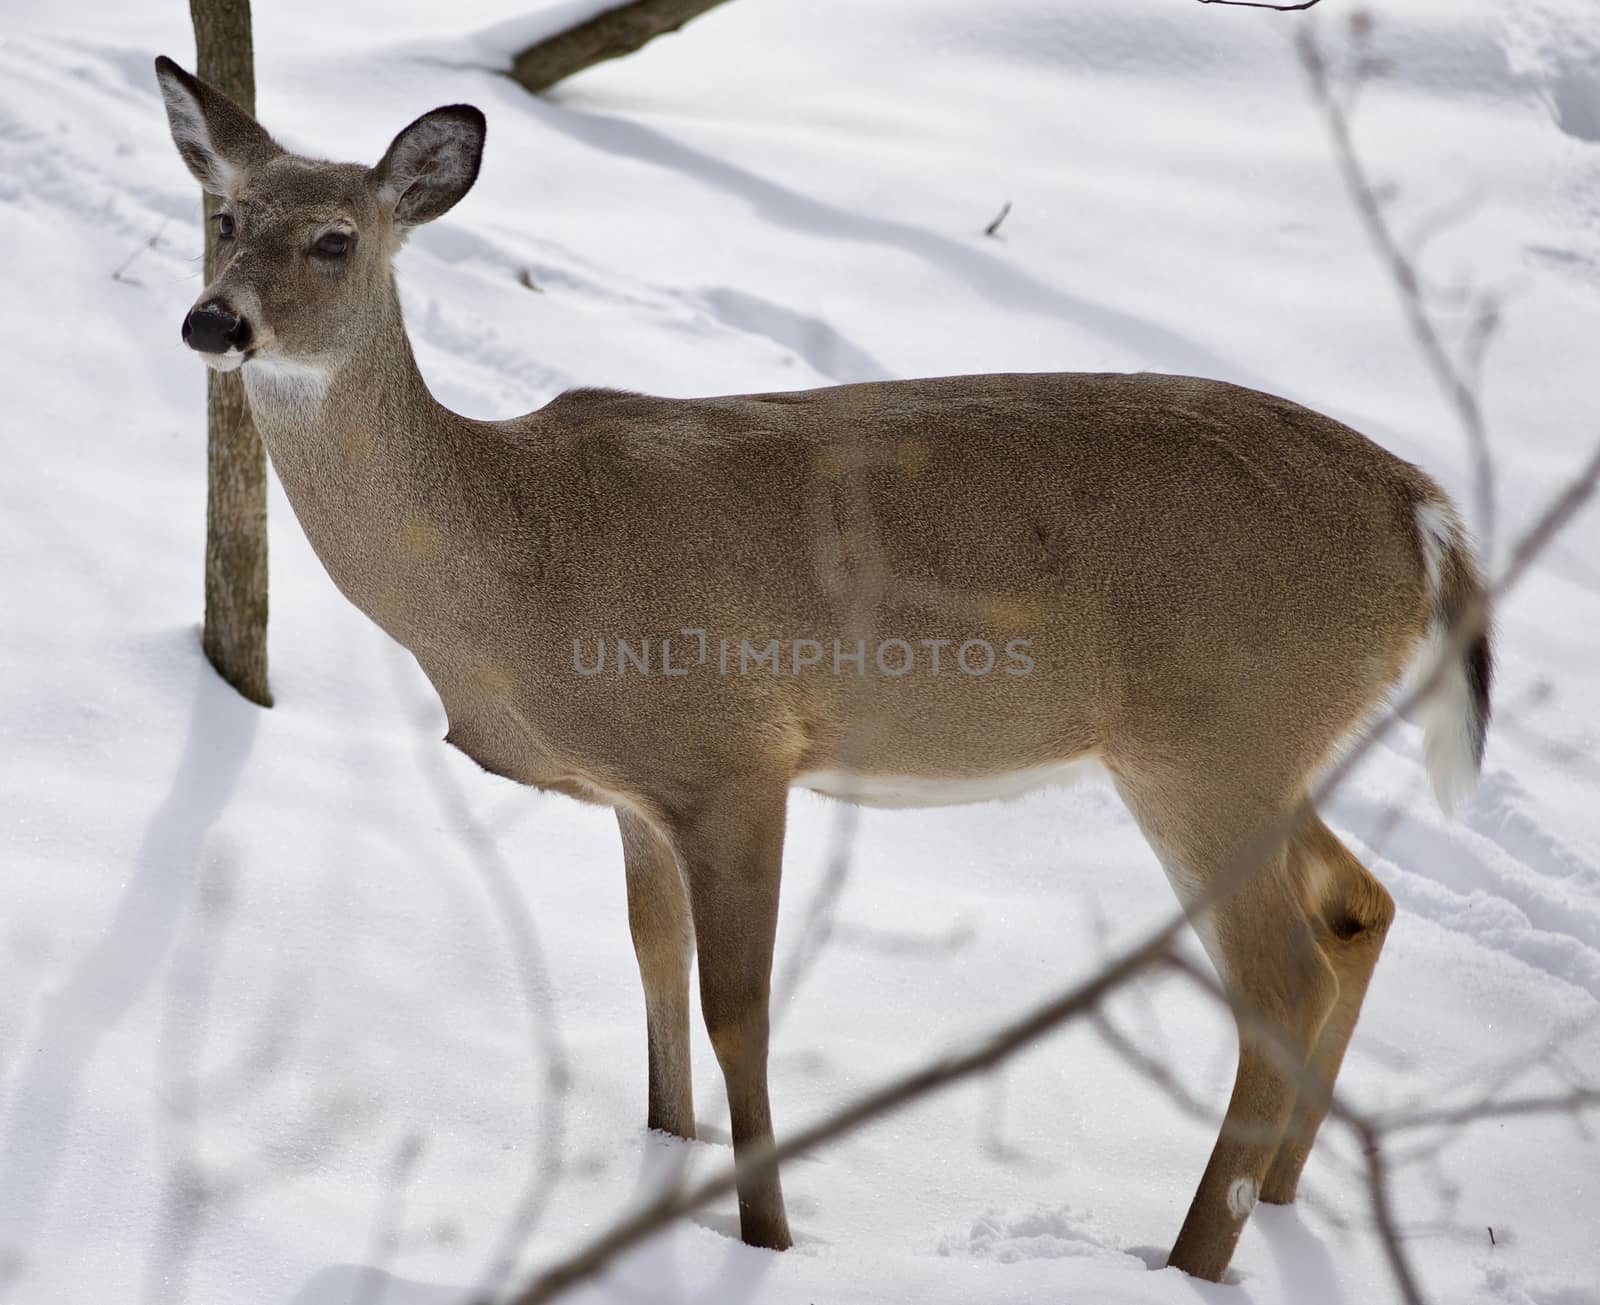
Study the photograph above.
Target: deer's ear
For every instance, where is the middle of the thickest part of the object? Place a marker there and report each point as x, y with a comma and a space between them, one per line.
431, 164
217, 139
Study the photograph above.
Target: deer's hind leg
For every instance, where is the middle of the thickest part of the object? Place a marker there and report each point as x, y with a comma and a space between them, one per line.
1267, 955
663, 942
1350, 913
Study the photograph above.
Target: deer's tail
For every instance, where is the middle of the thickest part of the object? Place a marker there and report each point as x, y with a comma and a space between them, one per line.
1455, 666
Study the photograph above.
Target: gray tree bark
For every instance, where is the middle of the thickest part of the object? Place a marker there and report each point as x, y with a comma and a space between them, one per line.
235, 633
608, 35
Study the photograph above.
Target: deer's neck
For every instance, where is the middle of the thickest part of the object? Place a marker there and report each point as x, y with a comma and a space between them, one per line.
374, 467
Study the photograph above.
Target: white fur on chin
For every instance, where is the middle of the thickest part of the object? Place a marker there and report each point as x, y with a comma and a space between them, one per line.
280, 382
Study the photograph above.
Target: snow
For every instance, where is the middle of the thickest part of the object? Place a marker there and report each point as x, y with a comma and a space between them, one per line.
303, 909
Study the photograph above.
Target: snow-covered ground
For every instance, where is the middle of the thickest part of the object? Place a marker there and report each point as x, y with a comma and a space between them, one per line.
267, 1032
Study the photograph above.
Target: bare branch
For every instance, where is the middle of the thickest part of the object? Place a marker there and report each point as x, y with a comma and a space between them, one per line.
608, 35
545, 1041
1579, 490
1153, 1068
389, 1221
1261, 4
121, 273
1383, 1218
820, 922
1455, 381
1550, 1103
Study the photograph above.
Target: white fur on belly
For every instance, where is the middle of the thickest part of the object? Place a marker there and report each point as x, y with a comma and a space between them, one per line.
922, 791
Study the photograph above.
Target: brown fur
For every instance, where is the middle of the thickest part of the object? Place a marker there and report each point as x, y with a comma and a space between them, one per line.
1217, 587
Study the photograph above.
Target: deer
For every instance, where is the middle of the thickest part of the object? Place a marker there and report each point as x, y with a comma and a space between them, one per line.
1199, 591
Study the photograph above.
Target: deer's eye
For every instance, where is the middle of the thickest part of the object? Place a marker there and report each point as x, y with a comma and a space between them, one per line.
225, 226
336, 244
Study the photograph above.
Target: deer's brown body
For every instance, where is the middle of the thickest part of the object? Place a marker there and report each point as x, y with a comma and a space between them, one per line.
682, 608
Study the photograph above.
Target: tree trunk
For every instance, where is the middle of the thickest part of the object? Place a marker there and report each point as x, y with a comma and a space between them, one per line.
235, 636
609, 35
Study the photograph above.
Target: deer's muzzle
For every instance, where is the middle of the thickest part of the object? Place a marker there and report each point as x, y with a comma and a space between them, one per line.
214, 328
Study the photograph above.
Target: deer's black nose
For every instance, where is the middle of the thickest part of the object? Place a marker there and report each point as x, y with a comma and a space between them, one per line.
213, 329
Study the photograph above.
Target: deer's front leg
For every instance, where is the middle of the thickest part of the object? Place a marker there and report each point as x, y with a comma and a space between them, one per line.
663, 941
731, 848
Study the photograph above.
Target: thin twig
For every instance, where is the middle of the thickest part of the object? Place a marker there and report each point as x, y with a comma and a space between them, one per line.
120, 274
388, 1222
1457, 387
1549, 1103
1383, 1217
856, 576
546, 1044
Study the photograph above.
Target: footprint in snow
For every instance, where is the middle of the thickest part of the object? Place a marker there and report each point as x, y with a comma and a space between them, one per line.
1043, 1233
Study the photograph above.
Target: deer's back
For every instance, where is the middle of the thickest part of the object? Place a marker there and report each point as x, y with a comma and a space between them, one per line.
1192, 547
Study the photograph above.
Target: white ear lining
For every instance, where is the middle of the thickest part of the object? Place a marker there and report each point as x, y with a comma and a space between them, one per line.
430, 150
188, 125
393, 188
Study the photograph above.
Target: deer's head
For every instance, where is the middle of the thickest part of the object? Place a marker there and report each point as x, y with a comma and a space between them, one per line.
304, 270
